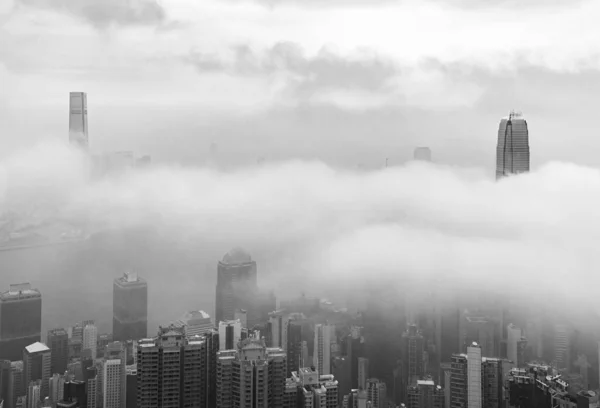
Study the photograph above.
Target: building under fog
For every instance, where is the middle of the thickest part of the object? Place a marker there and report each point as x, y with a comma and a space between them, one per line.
422, 154
130, 307
78, 122
36, 366
196, 323
236, 286
512, 152
20, 320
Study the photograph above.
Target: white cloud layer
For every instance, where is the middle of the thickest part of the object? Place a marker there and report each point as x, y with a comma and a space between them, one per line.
536, 231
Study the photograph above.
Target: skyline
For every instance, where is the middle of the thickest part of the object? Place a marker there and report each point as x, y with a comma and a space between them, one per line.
168, 81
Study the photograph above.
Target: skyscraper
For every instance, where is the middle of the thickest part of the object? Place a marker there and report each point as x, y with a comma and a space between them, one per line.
425, 394
171, 370
36, 365
512, 152
78, 123
90, 339
58, 343
412, 347
236, 286
324, 335
130, 307
474, 397
20, 320
114, 377
376, 393
230, 333
278, 327
253, 375
196, 323
512, 343
294, 347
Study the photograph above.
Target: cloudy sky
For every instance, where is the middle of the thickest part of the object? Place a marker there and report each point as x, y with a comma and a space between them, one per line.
346, 81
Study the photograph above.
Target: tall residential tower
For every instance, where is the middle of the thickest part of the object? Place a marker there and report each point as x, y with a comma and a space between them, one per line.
512, 153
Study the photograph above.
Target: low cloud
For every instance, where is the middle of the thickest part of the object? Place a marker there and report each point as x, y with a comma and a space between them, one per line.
331, 224
103, 13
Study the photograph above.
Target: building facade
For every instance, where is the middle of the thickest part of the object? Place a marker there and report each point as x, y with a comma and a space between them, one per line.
130, 308
36, 366
20, 320
512, 152
78, 122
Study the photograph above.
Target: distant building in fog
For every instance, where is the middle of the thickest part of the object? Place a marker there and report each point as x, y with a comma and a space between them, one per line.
58, 342
78, 122
236, 286
230, 333
36, 366
196, 323
20, 320
324, 337
422, 154
130, 307
512, 152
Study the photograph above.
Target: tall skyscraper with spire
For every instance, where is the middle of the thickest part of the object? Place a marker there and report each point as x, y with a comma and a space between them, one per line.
78, 123
512, 152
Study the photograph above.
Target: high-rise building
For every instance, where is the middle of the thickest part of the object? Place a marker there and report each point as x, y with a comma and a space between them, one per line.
422, 154
36, 365
90, 339
377, 393
78, 123
130, 307
230, 333
113, 376
17, 382
458, 381
474, 397
196, 323
34, 394
212, 348
512, 152
74, 392
242, 316
355, 349
171, 370
278, 326
492, 382
425, 394
236, 286
363, 372
92, 387
20, 320
561, 345
251, 375
294, 347
57, 387
480, 329
131, 387
512, 346
5, 378
412, 348
307, 389
58, 342
324, 335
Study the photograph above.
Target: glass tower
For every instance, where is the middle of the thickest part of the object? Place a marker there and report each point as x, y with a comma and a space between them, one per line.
512, 153
20, 320
130, 308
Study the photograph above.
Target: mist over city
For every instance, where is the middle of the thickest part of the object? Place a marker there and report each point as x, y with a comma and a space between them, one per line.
299, 204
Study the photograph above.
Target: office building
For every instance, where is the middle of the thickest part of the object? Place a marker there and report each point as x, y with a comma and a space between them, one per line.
113, 375
422, 154
17, 382
20, 320
74, 394
458, 381
34, 394
131, 391
242, 316
412, 348
561, 345
363, 372
236, 286
492, 382
212, 348
481, 329
355, 349
425, 394
196, 323
294, 347
512, 152
313, 390
92, 387
514, 336
57, 386
324, 337
5, 379
78, 123
130, 307
90, 340
278, 326
474, 397
171, 370
376, 393
252, 374
341, 368
58, 343
230, 333
36, 365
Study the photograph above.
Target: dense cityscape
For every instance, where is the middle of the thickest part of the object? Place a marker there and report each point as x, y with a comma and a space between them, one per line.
430, 347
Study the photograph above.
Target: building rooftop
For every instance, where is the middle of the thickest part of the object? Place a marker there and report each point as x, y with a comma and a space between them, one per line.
130, 278
236, 256
20, 291
425, 382
37, 348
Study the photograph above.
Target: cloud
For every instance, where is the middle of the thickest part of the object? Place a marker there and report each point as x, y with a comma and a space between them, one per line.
526, 4
102, 13
389, 224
